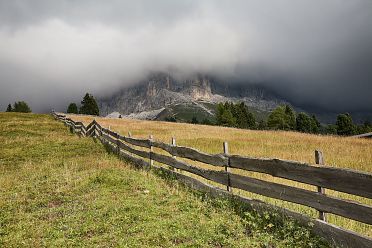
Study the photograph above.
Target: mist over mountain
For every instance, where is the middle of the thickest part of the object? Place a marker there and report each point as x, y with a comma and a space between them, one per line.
314, 54
161, 90
162, 95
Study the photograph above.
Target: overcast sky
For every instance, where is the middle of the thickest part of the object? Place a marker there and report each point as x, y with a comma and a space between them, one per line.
313, 52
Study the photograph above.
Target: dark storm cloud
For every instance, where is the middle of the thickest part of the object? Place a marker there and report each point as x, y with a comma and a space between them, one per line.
315, 53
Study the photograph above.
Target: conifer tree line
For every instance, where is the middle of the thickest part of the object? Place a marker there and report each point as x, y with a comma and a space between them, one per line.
235, 115
20, 106
88, 106
285, 118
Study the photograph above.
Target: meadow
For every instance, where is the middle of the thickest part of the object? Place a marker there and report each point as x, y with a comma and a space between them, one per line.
345, 152
57, 189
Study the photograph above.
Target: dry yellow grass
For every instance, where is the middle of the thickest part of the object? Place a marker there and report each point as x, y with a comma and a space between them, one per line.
343, 152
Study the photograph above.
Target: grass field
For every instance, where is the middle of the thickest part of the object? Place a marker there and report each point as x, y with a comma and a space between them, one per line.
338, 151
57, 189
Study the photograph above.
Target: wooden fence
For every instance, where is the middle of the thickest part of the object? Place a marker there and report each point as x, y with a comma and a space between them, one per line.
343, 180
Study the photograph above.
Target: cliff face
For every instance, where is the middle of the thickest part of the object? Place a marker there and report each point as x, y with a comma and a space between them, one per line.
162, 91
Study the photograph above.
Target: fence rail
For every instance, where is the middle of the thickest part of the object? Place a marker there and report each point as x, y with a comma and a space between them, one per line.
343, 180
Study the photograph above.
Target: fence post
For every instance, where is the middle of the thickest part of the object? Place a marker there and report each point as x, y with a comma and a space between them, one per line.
118, 147
129, 134
83, 130
94, 131
227, 167
174, 144
92, 128
151, 150
320, 161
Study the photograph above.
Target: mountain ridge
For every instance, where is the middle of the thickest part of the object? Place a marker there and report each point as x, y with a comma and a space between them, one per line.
199, 94
164, 91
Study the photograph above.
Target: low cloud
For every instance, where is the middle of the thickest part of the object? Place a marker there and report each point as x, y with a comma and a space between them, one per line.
316, 54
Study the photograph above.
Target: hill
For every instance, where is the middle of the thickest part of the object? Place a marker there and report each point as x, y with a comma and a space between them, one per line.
57, 189
343, 152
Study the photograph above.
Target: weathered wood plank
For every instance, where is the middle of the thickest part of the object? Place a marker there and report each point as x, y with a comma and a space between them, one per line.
336, 236
108, 138
348, 209
193, 154
90, 131
90, 124
105, 130
137, 142
143, 154
97, 125
344, 180
216, 176
112, 133
345, 208
137, 161
98, 130
79, 123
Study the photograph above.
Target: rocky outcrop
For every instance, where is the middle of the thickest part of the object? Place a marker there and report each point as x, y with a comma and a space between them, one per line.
162, 90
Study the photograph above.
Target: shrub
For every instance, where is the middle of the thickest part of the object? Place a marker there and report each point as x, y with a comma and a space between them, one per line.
345, 125
72, 108
21, 107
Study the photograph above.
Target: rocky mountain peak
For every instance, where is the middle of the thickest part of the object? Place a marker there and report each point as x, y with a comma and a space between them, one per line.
200, 89
161, 90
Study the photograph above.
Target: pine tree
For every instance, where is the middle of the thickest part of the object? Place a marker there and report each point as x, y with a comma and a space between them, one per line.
290, 118
228, 119
89, 105
283, 118
22, 107
345, 125
235, 115
72, 108
9, 108
304, 123
244, 118
220, 110
224, 115
277, 119
315, 124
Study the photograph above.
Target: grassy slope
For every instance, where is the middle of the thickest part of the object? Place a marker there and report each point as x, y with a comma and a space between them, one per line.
185, 113
338, 151
60, 190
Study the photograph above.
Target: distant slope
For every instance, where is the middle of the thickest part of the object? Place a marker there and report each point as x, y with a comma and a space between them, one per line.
201, 110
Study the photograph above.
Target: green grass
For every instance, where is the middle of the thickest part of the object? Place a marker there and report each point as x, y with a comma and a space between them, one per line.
57, 189
185, 113
343, 152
